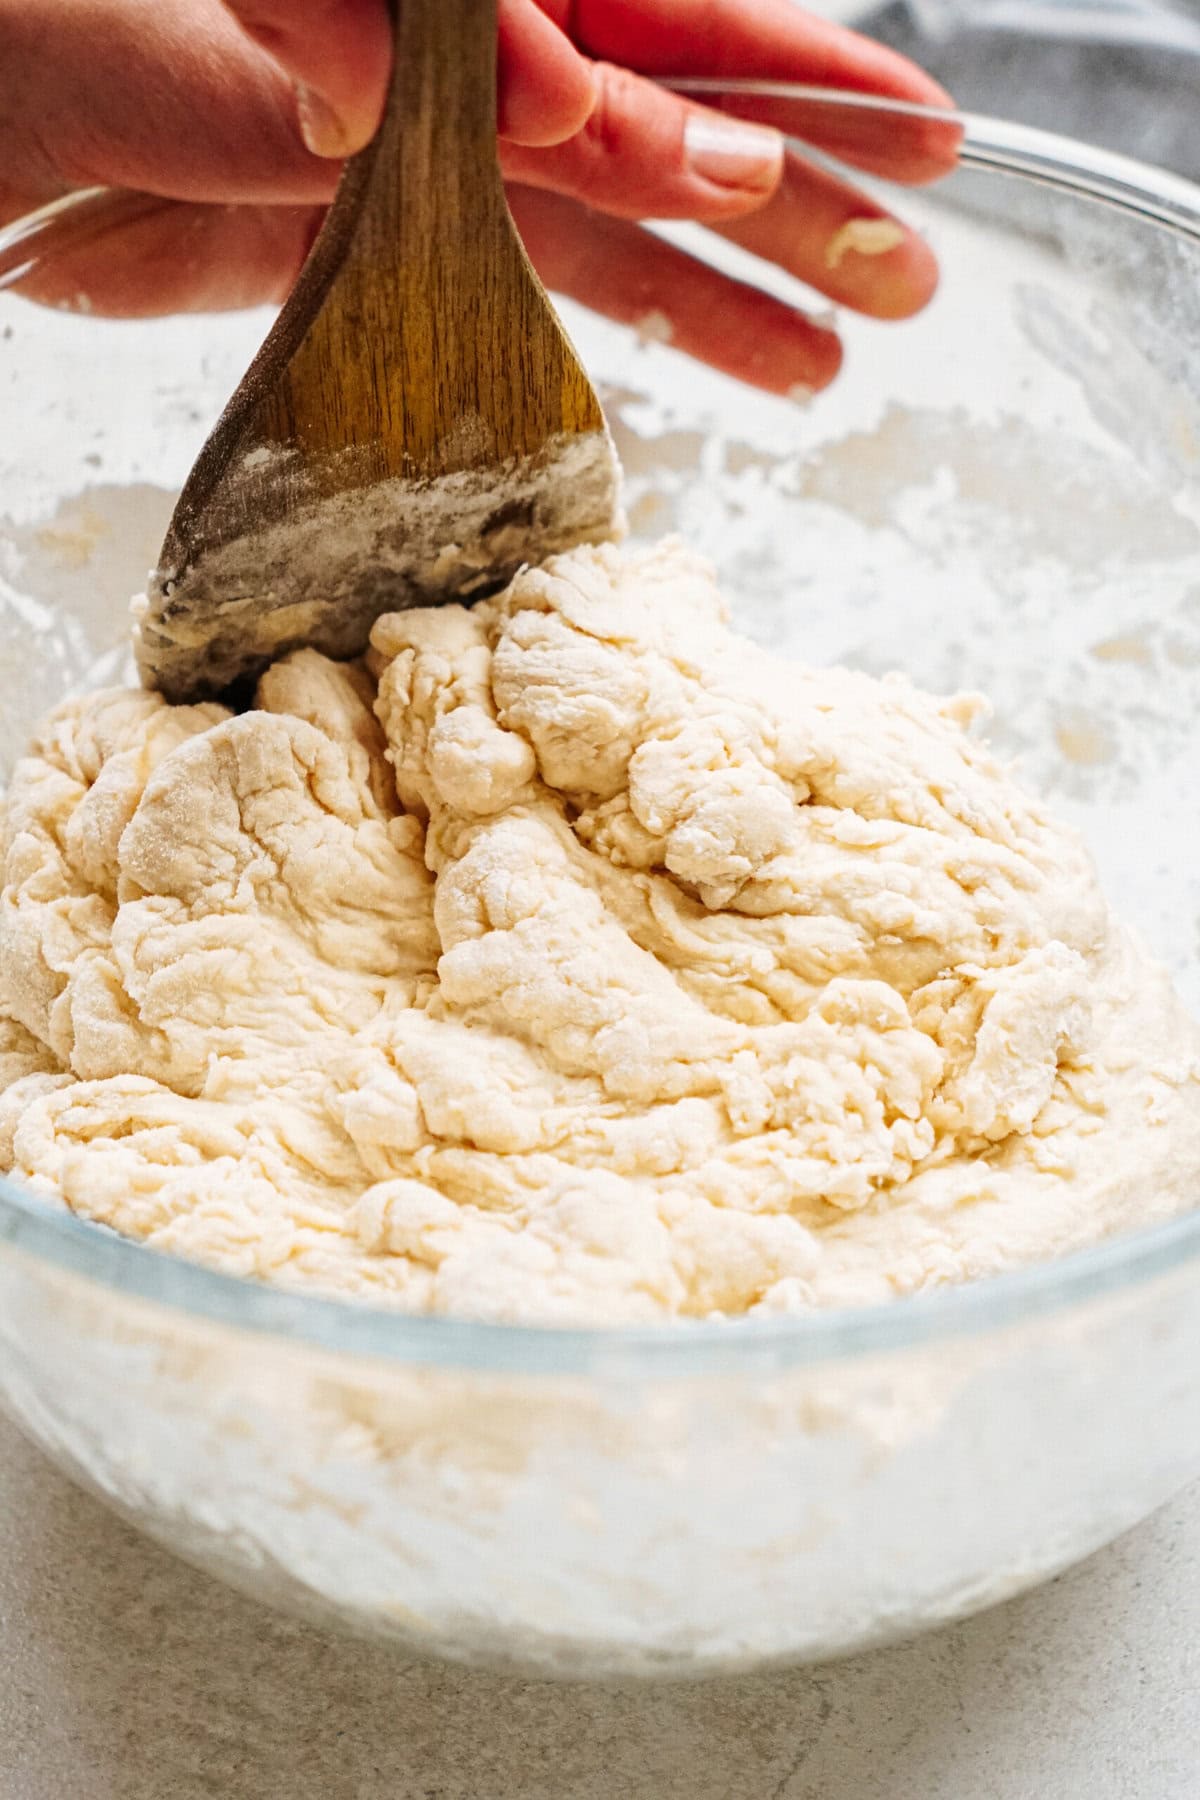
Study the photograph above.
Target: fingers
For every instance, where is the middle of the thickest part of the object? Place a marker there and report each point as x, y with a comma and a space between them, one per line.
771, 40
546, 89
339, 54
774, 40
184, 98
902, 147
637, 279
130, 255
170, 97
641, 156
645, 153
840, 242
134, 255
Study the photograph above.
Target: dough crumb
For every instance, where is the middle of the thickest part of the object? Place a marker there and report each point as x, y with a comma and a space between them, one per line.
862, 237
1084, 740
654, 328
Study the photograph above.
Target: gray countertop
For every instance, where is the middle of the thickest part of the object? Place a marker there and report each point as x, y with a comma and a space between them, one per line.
126, 1676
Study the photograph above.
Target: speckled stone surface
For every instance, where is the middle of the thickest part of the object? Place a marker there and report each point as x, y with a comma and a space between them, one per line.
126, 1676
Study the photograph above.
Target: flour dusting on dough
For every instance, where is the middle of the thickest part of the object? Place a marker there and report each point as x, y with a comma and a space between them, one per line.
571, 958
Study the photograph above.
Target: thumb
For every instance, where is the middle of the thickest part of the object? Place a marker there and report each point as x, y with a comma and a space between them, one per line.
339, 52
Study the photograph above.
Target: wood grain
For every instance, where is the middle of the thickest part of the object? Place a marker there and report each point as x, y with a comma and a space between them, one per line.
418, 340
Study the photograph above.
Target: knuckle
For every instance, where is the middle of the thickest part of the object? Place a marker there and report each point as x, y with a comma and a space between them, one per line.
630, 150
616, 101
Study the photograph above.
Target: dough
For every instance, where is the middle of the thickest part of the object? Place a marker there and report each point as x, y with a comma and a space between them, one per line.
573, 959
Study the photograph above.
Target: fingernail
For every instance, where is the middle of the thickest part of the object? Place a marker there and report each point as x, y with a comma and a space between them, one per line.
731, 153
323, 132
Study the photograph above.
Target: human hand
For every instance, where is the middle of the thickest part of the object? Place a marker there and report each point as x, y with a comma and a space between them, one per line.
244, 112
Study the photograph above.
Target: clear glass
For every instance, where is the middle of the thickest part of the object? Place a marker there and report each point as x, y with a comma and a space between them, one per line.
1000, 494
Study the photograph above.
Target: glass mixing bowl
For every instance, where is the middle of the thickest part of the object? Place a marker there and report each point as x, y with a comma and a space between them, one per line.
1001, 493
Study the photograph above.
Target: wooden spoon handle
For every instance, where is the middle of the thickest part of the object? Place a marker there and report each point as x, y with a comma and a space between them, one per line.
418, 341
434, 326
435, 167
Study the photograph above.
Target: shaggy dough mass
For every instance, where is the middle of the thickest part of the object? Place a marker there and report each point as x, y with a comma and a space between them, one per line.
574, 959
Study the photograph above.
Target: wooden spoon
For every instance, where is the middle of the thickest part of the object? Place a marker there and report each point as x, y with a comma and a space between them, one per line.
416, 425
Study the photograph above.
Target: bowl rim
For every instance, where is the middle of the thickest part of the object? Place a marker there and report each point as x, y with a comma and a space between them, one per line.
49, 1233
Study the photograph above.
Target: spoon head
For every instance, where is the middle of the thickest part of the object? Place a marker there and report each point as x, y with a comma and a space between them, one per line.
417, 424
320, 563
